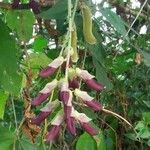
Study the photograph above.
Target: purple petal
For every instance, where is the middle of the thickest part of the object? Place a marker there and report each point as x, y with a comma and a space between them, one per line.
40, 118
89, 129
53, 132
74, 83
35, 6
48, 71
94, 105
39, 99
71, 125
93, 84
67, 111
64, 97
15, 4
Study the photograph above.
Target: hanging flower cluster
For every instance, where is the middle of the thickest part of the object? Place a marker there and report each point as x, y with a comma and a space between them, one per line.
68, 90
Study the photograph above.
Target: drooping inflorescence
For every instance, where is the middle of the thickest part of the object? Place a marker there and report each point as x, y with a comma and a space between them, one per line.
68, 90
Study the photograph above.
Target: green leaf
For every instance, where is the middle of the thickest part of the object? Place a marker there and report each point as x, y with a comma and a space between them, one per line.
6, 139
26, 145
22, 22
3, 99
114, 20
58, 11
86, 142
146, 58
122, 63
102, 144
101, 75
10, 79
39, 44
145, 134
146, 117
37, 60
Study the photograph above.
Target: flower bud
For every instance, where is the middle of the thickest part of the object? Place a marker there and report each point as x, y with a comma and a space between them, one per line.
45, 112
84, 121
55, 128
71, 125
44, 93
52, 67
52, 133
73, 83
89, 80
68, 106
40, 118
89, 129
64, 93
88, 100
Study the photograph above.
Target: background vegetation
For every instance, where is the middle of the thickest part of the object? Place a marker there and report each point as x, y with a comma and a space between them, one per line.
31, 37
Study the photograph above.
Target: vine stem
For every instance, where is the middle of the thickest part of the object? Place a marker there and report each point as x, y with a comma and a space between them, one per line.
118, 116
69, 40
14, 111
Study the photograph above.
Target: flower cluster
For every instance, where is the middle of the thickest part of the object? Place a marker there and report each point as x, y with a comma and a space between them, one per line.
68, 89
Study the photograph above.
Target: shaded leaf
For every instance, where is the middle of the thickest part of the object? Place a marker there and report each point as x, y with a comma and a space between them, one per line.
101, 75
22, 22
6, 139
114, 20
58, 11
10, 79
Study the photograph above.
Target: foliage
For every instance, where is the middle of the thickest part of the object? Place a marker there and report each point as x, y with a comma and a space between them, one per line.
120, 60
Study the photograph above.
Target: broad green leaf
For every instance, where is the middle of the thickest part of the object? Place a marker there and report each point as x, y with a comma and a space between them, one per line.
114, 20
26, 145
3, 99
6, 139
101, 75
37, 60
10, 80
22, 22
86, 142
146, 58
39, 44
145, 133
102, 144
58, 11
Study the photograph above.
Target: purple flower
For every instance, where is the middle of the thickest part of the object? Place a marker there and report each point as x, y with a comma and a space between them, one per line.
45, 112
48, 71
55, 126
88, 100
89, 129
52, 67
64, 93
64, 96
44, 93
94, 105
67, 111
89, 80
40, 118
93, 84
53, 133
71, 125
73, 83
84, 121
39, 99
